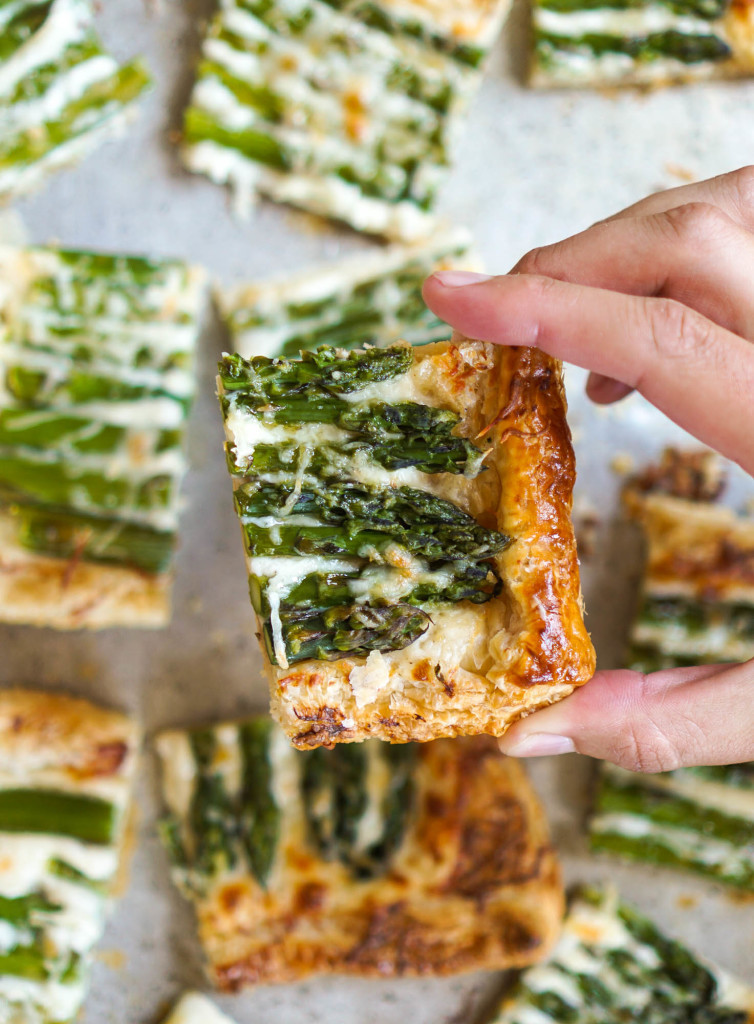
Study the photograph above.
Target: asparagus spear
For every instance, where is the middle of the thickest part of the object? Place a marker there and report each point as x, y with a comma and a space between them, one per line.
110, 541
336, 799
445, 455
328, 371
211, 812
686, 48
345, 519
87, 818
99, 103
340, 632
260, 817
29, 478
21, 909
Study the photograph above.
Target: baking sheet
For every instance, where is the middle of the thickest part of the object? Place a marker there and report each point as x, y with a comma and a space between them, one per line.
534, 167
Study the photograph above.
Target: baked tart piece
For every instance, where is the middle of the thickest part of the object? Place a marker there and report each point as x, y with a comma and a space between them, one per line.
369, 859
371, 298
406, 521
601, 43
66, 773
96, 381
696, 606
350, 110
61, 92
612, 964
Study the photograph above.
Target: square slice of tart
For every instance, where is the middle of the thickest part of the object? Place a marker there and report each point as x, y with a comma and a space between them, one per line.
406, 520
696, 606
370, 859
613, 965
66, 773
347, 109
61, 93
194, 1008
96, 381
648, 42
369, 298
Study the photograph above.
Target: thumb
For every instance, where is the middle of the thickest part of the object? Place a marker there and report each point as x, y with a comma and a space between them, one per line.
648, 723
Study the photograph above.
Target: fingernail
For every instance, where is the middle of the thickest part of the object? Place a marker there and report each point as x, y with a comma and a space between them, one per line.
539, 744
460, 278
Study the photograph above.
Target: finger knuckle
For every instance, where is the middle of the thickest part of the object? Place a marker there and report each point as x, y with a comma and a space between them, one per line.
644, 745
696, 224
534, 262
678, 332
742, 182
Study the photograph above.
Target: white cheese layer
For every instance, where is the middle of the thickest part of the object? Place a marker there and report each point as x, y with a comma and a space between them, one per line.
634, 22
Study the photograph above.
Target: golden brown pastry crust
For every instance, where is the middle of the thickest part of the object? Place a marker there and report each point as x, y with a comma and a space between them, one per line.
696, 550
40, 731
37, 590
475, 885
478, 668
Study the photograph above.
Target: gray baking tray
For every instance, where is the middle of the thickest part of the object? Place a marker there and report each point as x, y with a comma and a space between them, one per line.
534, 167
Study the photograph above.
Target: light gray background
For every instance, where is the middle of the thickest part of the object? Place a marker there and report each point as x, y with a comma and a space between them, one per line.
534, 167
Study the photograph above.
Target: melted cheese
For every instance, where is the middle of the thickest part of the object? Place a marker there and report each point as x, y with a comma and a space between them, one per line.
624, 23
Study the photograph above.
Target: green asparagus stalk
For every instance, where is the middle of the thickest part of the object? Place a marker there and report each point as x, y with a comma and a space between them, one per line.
686, 48
336, 799
260, 817
446, 582
324, 372
710, 842
29, 478
211, 812
21, 909
334, 791
345, 519
351, 631
108, 541
376, 16
35, 388
98, 104
397, 808
61, 869
87, 818
698, 616
445, 455
28, 962
21, 26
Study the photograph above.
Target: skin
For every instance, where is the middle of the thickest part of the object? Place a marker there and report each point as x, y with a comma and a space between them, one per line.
656, 299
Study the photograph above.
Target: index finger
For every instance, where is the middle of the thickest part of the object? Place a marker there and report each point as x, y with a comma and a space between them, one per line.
733, 193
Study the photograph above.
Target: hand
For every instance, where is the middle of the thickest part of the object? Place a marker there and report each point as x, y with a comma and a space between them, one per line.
660, 299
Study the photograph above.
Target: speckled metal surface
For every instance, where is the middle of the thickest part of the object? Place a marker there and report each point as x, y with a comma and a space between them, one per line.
534, 167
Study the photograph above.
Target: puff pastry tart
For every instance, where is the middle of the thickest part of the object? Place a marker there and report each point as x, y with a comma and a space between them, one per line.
345, 108
66, 771
96, 381
369, 859
366, 298
642, 42
406, 520
696, 606
612, 964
